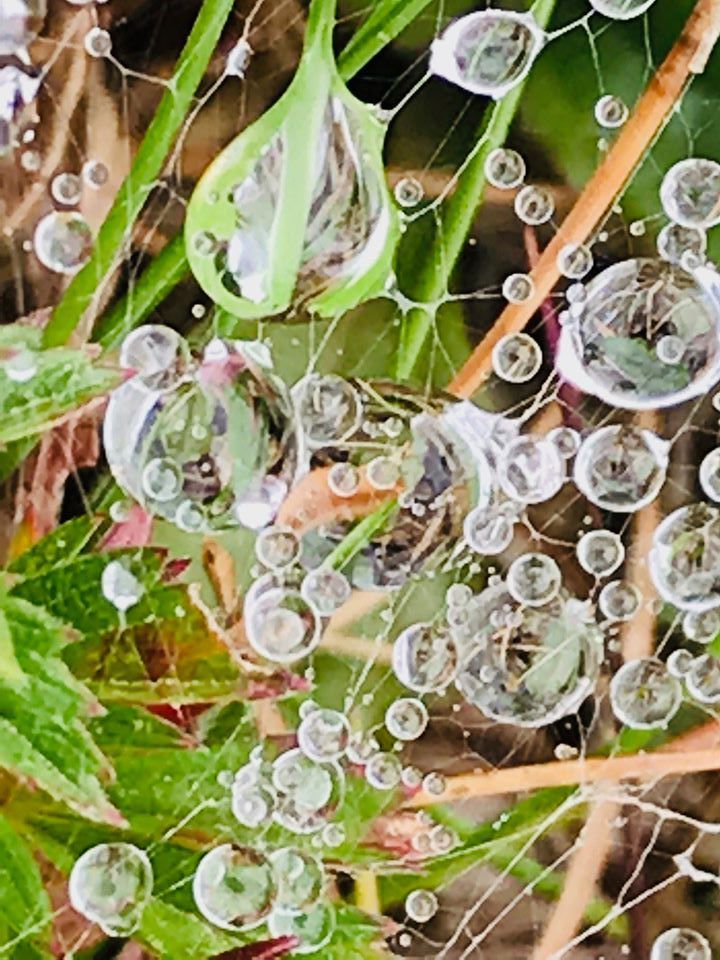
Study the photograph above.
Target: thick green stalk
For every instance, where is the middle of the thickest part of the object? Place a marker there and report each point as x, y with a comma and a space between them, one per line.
437, 261
390, 18
146, 168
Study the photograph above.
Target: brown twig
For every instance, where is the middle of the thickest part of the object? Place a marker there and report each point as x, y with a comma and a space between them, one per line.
688, 56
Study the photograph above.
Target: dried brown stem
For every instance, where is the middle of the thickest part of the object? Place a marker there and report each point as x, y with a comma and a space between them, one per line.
687, 57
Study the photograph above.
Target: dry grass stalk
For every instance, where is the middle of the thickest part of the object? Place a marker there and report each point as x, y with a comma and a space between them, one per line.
688, 56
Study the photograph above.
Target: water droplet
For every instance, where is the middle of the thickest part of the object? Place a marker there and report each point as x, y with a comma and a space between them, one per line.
534, 205
157, 354
406, 719
710, 475
621, 9
21, 366
534, 579
120, 586
234, 887
20, 23
424, 658
95, 174
621, 468
679, 662
162, 479
308, 792
323, 735
277, 547
488, 532
343, 479
110, 885
517, 288
690, 193
575, 261
421, 905
702, 627
644, 695
566, 440
326, 590
238, 59
611, 112
619, 600
504, 168
488, 52
674, 241
329, 409
280, 624
62, 241
531, 470
516, 357
98, 42
300, 879
383, 771
680, 943
600, 552
66, 189
684, 561
408, 192
531, 666
610, 350
434, 784
313, 928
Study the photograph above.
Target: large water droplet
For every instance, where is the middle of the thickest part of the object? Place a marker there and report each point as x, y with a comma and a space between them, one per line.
644, 694
681, 943
690, 193
313, 928
110, 885
621, 9
621, 468
424, 658
684, 561
63, 241
234, 887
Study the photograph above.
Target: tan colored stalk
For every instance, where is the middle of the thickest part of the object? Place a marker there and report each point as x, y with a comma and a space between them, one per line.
688, 56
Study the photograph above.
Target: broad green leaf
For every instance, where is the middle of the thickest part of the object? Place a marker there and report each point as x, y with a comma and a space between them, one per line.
43, 710
56, 549
62, 381
179, 935
26, 910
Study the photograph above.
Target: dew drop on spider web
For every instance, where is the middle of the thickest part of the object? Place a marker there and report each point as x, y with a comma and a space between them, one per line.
674, 241
684, 560
442, 839
710, 475
308, 793
531, 470
488, 52
156, 354
238, 59
703, 679
95, 174
621, 9
110, 885
343, 479
326, 590
679, 662
534, 205
300, 879
279, 623
234, 887
690, 193
534, 579
323, 735
66, 188
644, 694
120, 586
277, 547
504, 168
518, 287
566, 440
421, 905
329, 409
63, 241
424, 658
20, 23
98, 42
531, 666
619, 600
313, 928
701, 627
516, 357
408, 192
680, 943
162, 480
611, 111
575, 261
621, 468
488, 532
600, 552
383, 771
406, 718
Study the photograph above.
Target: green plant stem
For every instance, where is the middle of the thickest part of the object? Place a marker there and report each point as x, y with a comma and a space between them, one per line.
147, 166
171, 265
360, 535
161, 276
388, 19
438, 260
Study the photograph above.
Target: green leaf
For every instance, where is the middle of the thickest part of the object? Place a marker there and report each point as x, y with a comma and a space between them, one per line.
10, 670
57, 548
387, 19
179, 935
43, 710
26, 909
63, 380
